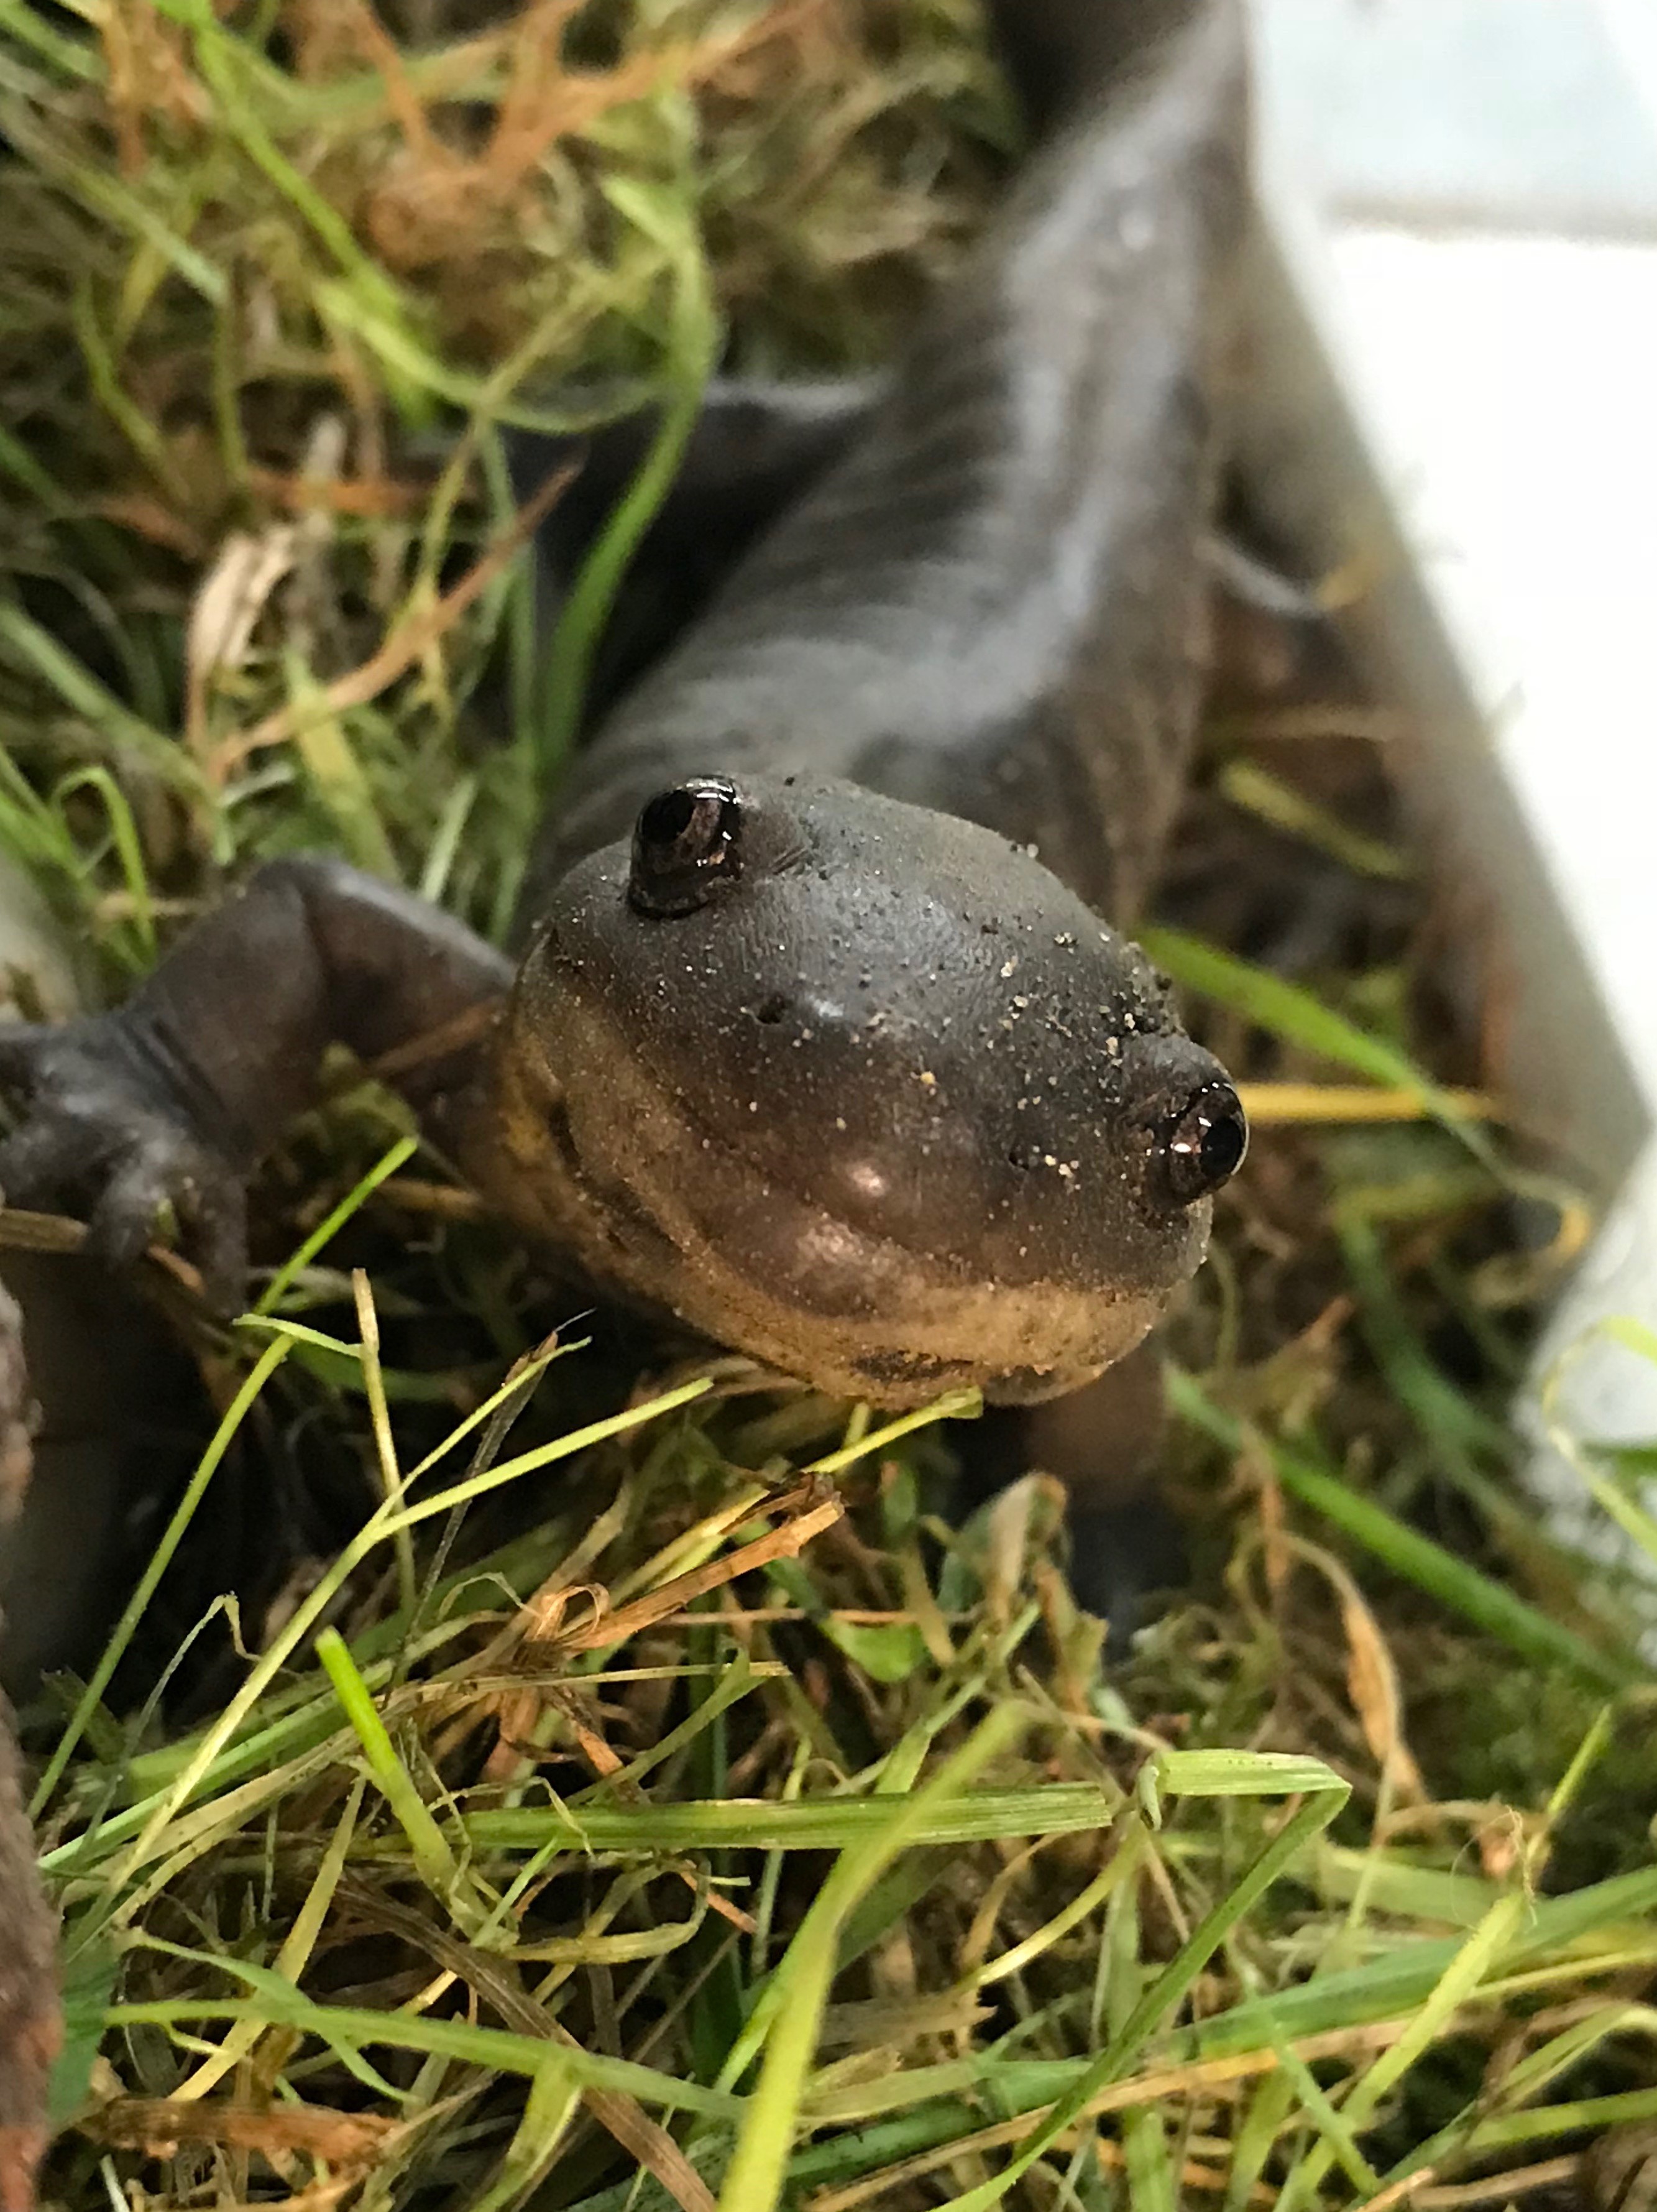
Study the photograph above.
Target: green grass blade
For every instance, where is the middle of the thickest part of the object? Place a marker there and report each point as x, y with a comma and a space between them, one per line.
1299, 1018
693, 348
1169, 1989
264, 1368
347, 2029
786, 2019
820, 1824
326, 1230
1456, 1583
428, 1847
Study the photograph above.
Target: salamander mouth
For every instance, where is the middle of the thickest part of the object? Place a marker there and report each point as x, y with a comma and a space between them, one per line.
850, 1313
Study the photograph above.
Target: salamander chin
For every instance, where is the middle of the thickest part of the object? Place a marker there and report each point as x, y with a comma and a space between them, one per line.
862, 1089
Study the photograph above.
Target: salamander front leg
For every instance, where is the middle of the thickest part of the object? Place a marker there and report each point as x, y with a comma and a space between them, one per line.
167, 1102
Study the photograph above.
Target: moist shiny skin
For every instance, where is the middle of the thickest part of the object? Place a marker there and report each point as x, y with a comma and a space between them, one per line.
990, 606
890, 1113
822, 1039
993, 604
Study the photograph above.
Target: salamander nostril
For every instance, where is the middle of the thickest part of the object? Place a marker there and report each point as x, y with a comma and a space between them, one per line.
772, 1009
667, 818
1204, 1143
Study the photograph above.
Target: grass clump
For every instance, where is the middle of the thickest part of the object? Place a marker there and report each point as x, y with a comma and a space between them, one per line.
746, 1829
268, 272
619, 1786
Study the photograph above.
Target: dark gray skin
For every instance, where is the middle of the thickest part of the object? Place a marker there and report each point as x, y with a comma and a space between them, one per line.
807, 1048
995, 603
891, 1109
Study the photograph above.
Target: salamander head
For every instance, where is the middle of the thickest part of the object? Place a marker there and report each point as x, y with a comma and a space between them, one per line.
861, 1090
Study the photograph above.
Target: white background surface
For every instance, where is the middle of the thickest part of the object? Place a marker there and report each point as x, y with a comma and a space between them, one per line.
1486, 172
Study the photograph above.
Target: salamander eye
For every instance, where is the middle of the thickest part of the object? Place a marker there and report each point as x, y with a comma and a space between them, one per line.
1203, 1146
685, 843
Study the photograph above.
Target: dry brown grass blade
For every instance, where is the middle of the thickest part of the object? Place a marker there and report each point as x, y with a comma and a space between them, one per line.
543, 100
844, 1616
1211, 2180
402, 647
620, 2115
1502, 2188
146, 517
358, 27
516, 1716
21, 1230
434, 203
744, 1922
1371, 1682
1617, 2171
225, 612
158, 2125
809, 1513
655, 2148
149, 81
1201, 2078
1407, 2191
1373, 1685
440, 1201
540, 1624
369, 496
466, 1030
